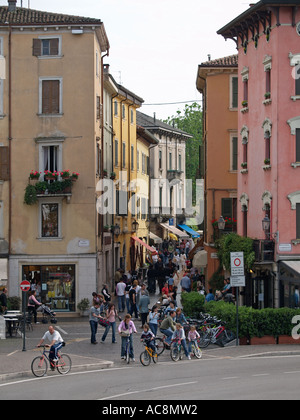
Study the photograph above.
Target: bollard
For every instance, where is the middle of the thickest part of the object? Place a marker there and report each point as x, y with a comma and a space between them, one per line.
2, 328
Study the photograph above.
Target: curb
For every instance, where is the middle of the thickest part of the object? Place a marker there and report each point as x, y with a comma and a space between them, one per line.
77, 368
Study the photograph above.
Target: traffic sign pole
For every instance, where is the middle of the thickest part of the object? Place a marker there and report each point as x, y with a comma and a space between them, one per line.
237, 279
25, 287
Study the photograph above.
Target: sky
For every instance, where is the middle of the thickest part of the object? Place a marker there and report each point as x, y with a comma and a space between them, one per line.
156, 45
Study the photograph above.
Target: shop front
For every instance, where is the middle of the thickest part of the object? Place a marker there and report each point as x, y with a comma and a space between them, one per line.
54, 285
289, 283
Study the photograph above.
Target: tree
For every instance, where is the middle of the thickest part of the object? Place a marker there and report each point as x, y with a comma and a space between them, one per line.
235, 243
190, 121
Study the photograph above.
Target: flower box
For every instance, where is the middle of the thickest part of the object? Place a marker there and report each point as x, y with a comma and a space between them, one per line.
74, 176
34, 175
48, 175
65, 174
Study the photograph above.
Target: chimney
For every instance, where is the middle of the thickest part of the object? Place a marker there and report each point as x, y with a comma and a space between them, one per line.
12, 4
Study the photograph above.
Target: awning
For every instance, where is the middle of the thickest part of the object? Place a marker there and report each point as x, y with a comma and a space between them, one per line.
200, 259
155, 238
173, 229
189, 230
293, 265
150, 248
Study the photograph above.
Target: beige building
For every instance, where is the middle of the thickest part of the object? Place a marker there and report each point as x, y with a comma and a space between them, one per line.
50, 120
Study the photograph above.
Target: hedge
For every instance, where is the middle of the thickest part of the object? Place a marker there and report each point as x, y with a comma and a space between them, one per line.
252, 322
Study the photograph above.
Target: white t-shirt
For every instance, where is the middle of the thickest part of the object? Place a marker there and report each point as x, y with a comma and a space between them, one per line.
55, 336
120, 288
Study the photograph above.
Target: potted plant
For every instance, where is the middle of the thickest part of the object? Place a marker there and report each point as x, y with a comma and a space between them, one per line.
41, 187
34, 175
74, 176
48, 175
267, 95
106, 228
104, 172
83, 306
112, 175
267, 161
65, 174
244, 165
66, 186
30, 195
244, 104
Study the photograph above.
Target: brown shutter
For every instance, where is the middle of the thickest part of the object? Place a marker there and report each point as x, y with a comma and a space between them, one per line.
54, 46
4, 163
50, 97
98, 108
36, 47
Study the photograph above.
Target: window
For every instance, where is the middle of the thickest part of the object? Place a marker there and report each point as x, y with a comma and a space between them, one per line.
4, 163
122, 203
267, 126
297, 80
50, 158
123, 155
234, 92
123, 112
98, 111
116, 153
50, 155
170, 161
137, 160
234, 152
229, 212
132, 158
298, 220
116, 108
131, 116
46, 47
50, 102
179, 163
159, 159
297, 144
49, 220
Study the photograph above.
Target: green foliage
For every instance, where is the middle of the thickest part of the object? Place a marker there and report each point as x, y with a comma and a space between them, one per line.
254, 322
190, 121
192, 303
84, 304
30, 195
13, 303
235, 243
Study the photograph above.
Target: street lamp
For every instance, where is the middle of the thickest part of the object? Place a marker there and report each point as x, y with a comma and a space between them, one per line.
266, 225
221, 223
135, 226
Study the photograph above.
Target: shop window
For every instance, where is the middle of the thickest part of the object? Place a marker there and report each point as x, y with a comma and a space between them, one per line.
54, 285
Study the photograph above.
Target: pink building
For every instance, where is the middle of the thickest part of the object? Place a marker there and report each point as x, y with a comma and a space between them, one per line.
268, 42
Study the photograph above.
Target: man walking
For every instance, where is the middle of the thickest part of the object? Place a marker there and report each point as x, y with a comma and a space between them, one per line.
120, 290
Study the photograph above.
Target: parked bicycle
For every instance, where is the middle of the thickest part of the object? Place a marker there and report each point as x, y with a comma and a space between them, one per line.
147, 355
39, 365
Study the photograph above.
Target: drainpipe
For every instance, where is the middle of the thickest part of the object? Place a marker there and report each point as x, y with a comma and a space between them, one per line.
9, 137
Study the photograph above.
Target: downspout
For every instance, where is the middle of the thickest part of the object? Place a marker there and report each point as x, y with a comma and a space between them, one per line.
9, 137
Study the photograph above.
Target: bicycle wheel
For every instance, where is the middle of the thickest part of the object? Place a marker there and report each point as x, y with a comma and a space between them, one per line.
204, 339
145, 358
155, 358
197, 351
175, 353
160, 345
64, 364
39, 366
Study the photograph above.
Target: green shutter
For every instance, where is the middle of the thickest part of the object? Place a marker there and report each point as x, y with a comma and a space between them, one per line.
234, 92
298, 221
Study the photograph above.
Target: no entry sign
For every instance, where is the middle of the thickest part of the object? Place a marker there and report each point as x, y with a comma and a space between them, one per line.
25, 286
237, 263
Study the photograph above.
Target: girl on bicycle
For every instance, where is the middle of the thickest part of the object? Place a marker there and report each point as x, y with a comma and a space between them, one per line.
128, 328
192, 336
179, 335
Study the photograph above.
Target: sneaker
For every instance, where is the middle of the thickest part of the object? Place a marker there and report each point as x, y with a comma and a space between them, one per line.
122, 357
133, 359
55, 359
189, 357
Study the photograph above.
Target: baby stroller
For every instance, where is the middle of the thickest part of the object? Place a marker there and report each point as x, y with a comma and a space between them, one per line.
47, 314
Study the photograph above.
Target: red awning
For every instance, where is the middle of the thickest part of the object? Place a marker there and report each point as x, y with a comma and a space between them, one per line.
150, 248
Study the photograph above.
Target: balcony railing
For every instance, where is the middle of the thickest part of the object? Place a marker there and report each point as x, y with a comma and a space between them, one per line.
264, 250
173, 174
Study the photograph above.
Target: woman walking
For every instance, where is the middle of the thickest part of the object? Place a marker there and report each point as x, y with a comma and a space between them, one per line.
111, 314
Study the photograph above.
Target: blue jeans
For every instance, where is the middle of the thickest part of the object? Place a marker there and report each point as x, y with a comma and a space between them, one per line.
123, 347
153, 328
113, 328
121, 303
94, 326
168, 333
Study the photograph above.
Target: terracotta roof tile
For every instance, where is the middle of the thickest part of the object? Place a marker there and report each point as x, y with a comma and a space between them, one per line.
24, 16
229, 61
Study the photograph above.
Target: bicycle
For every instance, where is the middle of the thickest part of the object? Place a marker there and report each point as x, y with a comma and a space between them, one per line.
160, 344
39, 365
196, 351
127, 346
147, 355
176, 352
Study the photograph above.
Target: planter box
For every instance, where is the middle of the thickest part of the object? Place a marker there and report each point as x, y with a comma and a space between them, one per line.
287, 339
266, 339
244, 341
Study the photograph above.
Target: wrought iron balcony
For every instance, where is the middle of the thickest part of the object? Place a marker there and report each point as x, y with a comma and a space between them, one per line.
264, 250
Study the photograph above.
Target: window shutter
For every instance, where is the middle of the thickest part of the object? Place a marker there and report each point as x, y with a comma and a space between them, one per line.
54, 46
297, 80
98, 108
36, 47
234, 153
50, 97
227, 207
4, 163
234, 92
297, 220
297, 144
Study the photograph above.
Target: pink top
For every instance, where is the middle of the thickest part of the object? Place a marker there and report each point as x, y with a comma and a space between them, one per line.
131, 327
111, 315
193, 335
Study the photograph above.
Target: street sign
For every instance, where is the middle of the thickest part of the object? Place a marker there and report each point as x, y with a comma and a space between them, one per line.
237, 281
25, 286
237, 263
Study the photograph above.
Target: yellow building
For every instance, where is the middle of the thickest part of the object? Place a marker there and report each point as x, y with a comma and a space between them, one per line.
50, 120
124, 108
